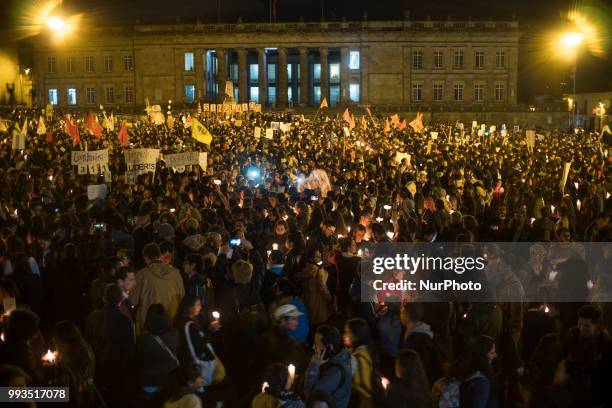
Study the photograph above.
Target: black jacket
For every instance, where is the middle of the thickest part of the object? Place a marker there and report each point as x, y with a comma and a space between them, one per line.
154, 361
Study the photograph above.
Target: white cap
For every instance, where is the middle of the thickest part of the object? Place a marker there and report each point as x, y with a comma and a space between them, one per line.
287, 311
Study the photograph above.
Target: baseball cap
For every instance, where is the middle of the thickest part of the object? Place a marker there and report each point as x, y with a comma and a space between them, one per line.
287, 311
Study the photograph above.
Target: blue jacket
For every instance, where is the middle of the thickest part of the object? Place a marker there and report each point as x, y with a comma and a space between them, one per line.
334, 377
303, 328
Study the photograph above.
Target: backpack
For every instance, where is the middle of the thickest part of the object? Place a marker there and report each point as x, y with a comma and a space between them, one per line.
378, 396
446, 393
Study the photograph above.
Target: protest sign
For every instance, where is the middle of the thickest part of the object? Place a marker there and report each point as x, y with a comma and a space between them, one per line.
275, 125
399, 156
257, 132
474, 124
203, 160
97, 192
531, 137
182, 159
429, 142
285, 127
347, 132
89, 161
269, 134
139, 161
434, 135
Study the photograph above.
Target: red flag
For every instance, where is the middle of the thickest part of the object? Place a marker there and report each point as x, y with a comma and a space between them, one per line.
417, 123
324, 103
123, 135
387, 126
402, 125
92, 124
50, 138
72, 131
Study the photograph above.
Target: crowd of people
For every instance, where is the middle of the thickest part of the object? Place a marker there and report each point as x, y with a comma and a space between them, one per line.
240, 285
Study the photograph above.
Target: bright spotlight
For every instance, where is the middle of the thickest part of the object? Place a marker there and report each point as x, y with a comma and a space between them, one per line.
572, 40
55, 23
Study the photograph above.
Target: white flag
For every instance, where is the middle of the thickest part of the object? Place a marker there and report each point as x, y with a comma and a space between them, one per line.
41, 129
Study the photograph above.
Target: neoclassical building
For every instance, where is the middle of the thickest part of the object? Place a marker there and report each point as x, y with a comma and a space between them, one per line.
399, 64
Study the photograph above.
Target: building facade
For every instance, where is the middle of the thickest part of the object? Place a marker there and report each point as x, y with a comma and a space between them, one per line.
404, 65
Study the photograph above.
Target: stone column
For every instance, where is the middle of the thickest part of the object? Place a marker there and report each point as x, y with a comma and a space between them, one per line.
242, 75
281, 91
324, 73
221, 73
304, 77
344, 75
364, 80
263, 78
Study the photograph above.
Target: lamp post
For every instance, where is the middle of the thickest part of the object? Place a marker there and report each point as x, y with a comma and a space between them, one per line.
571, 41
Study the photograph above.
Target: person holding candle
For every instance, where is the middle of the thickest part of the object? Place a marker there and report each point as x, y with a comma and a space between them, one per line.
278, 392
23, 344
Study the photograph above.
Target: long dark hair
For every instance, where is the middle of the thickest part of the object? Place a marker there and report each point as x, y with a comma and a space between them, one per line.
362, 335
412, 373
476, 359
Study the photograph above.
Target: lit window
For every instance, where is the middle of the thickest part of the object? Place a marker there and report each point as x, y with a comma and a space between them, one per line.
72, 96
255, 94
317, 94
189, 61
271, 94
53, 96
289, 72
271, 72
334, 72
354, 92
354, 60
254, 73
316, 74
189, 93
289, 94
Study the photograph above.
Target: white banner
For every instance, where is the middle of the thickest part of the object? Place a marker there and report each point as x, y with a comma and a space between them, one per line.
269, 134
399, 156
90, 158
182, 159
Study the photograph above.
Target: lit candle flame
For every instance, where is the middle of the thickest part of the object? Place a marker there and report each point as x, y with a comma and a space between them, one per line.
385, 382
546, 309
275, 247
379, 219
291, 369
390, 234
387, 207
264, 386
216, 315
578, 204
50, 357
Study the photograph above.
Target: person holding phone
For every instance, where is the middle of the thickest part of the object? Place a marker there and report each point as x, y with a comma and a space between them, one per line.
330, 367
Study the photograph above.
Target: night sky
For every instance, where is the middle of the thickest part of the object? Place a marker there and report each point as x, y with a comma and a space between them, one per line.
538, 74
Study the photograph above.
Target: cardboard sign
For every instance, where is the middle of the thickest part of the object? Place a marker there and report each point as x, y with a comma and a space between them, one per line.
269, 134
434, 135
203, 160
474, 124
399, 156
182, 159
257, 133
97, 192
139, 161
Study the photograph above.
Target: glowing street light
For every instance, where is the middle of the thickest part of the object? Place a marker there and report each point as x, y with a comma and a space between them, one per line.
59, 27
571, 41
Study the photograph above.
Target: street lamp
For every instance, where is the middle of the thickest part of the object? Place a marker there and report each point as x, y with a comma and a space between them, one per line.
59, 27
571, 41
